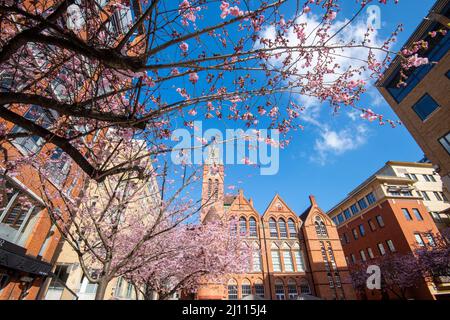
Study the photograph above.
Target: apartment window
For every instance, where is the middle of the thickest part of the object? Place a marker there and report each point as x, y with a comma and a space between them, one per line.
246, 288
355, 234
431, 178
273, 228
444, 198
129, 290
425, 107
354, 209
252, 225
425, 196
371, 198
414, 177
61, 275
370, 252
363, 255
259, 290
362, 204
436, 216
438, 196
282, 228
381, 249
279, 290
406, 214
390, 245
371, 225
232, 290
353, 258
335, 220
426, 178
361, 230
430, 239
417, 214
243, 226
292, 290
276, 263
287, 260
346, 240
340, 218
419, 239
445, 142
380, 221
299, 261
347, 214
292, 228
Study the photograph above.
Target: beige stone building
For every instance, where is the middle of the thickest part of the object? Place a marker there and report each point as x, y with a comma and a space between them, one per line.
423, 103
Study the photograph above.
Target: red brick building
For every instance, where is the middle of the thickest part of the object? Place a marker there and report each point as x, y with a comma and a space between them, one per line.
294, 257
384, 215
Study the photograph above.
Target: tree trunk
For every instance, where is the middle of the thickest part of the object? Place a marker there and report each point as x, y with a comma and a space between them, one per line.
101, 289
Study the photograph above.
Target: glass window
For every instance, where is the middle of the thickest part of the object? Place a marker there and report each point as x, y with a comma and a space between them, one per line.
363, 255
129, 290
347, 214
232, 289
425, 176
445, 142
246, 288
406, 214
292, 290
299, 261
292, 229
256, 261
419, 239
391, 245
243, 226
414, 177
282, 228
371, 198
417, 214
430, 239
279, 290
259, 290
354, 209
353, 258
371, 225
425, 195
335, 220
425, 106
253, 229
355, 234
346, 239
444, 198
362, 204
61, 275
340, 218
381, 249
370, 252
431, 178
436, 216
304, 287
438, 196
380, 221
361, 230
276, 263
273, 228
287, 260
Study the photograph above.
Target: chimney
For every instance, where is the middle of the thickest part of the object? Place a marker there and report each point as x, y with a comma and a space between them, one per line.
312, 199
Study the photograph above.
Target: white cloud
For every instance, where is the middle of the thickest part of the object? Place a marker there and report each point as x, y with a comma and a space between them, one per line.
331, 143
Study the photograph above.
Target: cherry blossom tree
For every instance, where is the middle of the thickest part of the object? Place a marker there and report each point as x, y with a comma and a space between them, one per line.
189, 256
175, 62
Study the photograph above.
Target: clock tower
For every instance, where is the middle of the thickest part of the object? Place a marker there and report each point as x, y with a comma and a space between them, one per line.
213, 185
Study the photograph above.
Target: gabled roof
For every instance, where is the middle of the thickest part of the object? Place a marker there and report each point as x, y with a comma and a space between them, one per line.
274, 199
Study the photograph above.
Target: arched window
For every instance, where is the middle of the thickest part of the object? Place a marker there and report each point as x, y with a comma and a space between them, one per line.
232, 290
246, 288
259, 288
256, 259
304, 287
287, 258
292, 289
292, 228
279, 290
216, 190
321, 229
252, 225
242, 226
282, 228
233, 227
273, 228
276, 263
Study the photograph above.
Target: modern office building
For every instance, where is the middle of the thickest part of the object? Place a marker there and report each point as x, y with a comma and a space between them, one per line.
423, 102
390, 213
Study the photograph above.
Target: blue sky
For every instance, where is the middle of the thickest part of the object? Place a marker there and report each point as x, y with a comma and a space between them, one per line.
330, 181
330, 159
